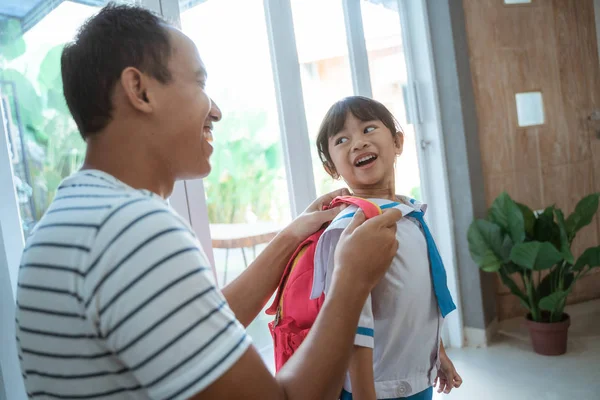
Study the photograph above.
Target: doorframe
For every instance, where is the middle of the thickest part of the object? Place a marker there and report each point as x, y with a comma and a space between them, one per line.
293, 127
358, 54
189, 196
11, 247
426, 117
424, 113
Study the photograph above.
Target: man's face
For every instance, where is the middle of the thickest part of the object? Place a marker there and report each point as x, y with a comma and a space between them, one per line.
185, 112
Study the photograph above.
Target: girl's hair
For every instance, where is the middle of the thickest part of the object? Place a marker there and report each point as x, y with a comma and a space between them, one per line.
364, 109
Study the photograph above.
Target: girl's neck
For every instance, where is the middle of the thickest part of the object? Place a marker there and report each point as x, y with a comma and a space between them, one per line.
388, 193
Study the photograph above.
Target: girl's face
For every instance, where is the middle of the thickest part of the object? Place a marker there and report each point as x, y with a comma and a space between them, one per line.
364, 153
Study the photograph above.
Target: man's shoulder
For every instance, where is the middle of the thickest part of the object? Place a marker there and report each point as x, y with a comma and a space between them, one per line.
97, 197
95, 208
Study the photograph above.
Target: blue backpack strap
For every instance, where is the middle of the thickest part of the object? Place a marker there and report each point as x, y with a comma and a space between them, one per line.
438, 272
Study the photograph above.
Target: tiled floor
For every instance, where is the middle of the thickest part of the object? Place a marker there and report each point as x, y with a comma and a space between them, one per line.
509, 369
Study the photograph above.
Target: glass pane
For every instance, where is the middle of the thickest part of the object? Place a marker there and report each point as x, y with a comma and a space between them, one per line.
324, 67
44, 142
247, 195
387, 67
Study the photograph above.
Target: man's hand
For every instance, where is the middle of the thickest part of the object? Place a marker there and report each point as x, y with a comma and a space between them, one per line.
363, 254
314, 217
366, 249
447, 376
248, 294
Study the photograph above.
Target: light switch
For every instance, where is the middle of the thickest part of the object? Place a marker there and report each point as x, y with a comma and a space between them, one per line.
530, 108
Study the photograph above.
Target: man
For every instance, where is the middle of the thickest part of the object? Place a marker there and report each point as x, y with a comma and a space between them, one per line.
116, 299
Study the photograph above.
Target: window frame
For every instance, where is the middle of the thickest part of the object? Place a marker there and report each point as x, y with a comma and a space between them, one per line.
189, 196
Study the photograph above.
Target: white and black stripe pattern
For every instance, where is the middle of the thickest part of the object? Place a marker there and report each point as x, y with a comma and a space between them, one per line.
116, 299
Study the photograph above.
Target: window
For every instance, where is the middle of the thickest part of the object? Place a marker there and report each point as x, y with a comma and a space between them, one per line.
387, 68
246, 192
325, 69
45, 145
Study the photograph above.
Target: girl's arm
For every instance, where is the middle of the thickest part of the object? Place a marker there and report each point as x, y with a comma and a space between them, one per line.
361, 374
447, 376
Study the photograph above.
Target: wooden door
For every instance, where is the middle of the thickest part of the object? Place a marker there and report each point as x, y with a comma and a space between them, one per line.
546, 46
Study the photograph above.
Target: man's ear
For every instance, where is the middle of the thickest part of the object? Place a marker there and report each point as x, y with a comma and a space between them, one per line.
135, 87
399, 142
330, 169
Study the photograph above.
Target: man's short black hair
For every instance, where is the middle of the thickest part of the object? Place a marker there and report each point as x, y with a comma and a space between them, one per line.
119, 36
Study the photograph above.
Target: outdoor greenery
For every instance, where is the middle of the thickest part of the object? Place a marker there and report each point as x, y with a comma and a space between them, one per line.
247, 173
517, 243
52, 145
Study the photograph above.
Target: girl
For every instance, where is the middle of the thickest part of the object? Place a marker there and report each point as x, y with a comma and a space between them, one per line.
398, 351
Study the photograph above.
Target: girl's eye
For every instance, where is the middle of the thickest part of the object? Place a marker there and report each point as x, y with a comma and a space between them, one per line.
341, 140
369, 129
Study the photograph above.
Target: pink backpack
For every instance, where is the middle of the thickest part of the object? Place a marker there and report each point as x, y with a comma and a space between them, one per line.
294, 310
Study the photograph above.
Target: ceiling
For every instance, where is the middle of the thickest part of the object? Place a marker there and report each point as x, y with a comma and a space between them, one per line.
30, 12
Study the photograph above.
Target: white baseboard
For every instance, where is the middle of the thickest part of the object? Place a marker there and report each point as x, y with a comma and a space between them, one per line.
478, 337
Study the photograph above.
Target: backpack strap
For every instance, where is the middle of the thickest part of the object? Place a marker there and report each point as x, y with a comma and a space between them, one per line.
368, 207
298, 253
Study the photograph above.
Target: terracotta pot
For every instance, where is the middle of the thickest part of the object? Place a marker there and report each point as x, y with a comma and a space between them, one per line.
549, 338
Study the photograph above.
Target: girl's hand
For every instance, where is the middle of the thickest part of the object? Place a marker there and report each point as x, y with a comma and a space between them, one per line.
447, 376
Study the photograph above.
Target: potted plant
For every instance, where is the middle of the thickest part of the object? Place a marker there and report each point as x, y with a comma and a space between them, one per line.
535, 248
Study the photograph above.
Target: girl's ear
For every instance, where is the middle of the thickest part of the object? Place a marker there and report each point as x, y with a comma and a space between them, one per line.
399, 142
330, 169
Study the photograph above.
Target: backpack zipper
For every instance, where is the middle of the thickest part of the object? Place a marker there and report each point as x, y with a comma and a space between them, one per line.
277, 316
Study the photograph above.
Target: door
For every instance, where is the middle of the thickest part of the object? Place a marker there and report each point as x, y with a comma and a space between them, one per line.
541, 57
265, 131
245, 80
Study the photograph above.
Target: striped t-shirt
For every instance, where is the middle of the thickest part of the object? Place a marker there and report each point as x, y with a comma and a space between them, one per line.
116, 299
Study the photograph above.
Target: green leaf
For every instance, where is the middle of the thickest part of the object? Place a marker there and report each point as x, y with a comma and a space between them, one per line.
514, 289
525, 304
507, 214
583, 214
554, 301
545, 287
543, 225
272, 156
545, 229
12, 44
565, 245
590, 257
485, 244
490, 262
510, 268
50, 73
507, 246
27, 99
56, 100
528, 218
536, 256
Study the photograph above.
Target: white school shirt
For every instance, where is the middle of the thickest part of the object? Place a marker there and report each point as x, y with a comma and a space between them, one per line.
401, 320
116, 299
